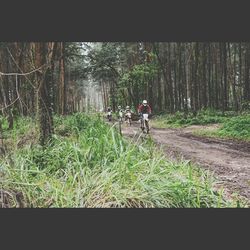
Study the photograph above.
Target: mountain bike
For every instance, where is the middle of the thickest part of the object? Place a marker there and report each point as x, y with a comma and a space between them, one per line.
128, 118
109, 116
144, 123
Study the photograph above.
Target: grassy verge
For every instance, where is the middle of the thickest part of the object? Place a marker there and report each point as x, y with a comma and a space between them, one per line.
179, 119
233, 128
89, 164
24, 130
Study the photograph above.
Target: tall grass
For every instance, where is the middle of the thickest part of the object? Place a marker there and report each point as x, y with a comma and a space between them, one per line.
24, 129
89, 164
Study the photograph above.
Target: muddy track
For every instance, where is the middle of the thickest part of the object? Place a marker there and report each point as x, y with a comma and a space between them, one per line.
229, 160
229, 143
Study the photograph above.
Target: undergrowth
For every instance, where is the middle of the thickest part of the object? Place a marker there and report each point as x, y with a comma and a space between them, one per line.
24, 129
233, 128
89, 164
179, 119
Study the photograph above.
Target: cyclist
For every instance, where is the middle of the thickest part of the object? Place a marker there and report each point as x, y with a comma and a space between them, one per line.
128, 114
120, 113
109, 113
144, 108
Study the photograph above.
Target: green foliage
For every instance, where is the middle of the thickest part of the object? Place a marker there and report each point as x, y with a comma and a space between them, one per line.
103, 61
24, 129
140, 74
93, 166
232, 125
203, 117
75, 122
237, 127
73, 51
245, 105
21, 126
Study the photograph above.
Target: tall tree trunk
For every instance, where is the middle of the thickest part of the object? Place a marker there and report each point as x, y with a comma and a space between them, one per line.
247, 80
44, 80
225, 75
62, 89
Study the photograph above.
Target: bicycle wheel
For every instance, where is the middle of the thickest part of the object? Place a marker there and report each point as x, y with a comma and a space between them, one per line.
142, 125
130, 122
147, 126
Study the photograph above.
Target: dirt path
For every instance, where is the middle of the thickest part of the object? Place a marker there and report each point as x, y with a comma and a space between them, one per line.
229, 160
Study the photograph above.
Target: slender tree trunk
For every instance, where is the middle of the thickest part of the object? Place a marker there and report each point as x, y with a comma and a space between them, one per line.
236, 108
247, 82
44, 79
62, 89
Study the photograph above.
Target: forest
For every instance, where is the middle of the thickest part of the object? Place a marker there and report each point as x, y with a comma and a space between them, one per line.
57, 148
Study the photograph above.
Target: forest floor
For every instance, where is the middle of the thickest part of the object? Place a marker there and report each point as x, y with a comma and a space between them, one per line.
229, 160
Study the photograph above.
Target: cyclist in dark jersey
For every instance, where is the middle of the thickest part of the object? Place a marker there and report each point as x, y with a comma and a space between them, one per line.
144, 108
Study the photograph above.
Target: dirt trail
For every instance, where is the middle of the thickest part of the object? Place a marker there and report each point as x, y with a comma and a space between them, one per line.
229, 160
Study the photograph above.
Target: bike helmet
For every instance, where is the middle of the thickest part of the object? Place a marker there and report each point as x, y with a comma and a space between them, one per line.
127, 107
144, 102
119, 107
